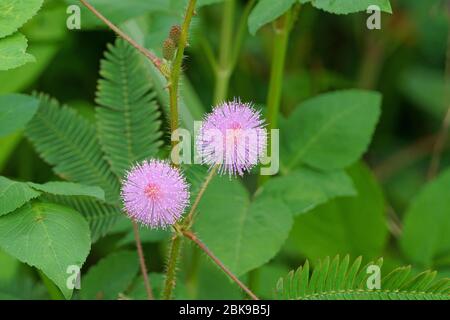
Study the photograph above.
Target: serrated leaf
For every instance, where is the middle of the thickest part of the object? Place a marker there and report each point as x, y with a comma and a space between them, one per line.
354, 225
48, 236
426, 228
13, 52
128, 119
14, 194
266, 11
244, 234
332, 130
304, 189
349, 6
110, 276
15, 112
69, 143
14, 14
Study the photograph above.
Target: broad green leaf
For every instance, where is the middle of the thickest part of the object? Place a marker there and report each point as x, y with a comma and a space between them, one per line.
128, 120
243, 234
15, 112
303, 189
331, 131
354, 225
47, 236
349, 6
266, 11
13, 52
14, 14
14, 194
110, 276
201, 3
100, 216
60, 188
426, 228
69, 143
426, 89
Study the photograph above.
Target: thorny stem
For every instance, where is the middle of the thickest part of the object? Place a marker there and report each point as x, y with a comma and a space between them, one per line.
144, 271
175, 72
171, 271
204, 248
151, 56
442, 137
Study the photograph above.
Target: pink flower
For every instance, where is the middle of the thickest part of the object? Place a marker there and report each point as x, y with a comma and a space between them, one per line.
232, 136
155, 193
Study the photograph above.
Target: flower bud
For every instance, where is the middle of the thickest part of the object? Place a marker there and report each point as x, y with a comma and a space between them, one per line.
168, 49
175, 33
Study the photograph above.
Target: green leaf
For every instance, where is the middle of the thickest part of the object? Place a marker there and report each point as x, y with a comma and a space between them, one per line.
397, 285
139, 292
426, 228
15, 112
331, 131
14, 194
354, 225
100, 216
110, 276
349, 6
47, 236
266, 11
69, 143
13, 52
303, 189
233, 229
69, 189
14, 14
128, 119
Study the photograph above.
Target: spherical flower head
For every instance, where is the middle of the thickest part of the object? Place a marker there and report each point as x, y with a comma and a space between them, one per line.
155, 194
233, 137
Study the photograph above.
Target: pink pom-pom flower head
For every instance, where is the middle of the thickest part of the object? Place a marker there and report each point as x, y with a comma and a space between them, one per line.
233, 137
155, 193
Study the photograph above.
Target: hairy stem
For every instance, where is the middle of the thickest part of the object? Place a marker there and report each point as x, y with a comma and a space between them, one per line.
171, 272
443, 134
150, 55
148, 287
175, 72
205, 249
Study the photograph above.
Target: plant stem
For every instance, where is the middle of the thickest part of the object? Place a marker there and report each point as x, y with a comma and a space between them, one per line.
53, 291
175, 72
170, 281
151, 56
144, 271
442, 136
282, 28
191, 215
204, 248
223, 71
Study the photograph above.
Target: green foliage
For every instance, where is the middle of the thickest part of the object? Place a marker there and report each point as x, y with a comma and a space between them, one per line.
15, 112
14, 195
354, 225
14, 14
233, 226
138, 291
13, 52
425, 236
349, 6
60, 188
339, 280
48, 236
332, 130
127, 120
266, 11
69, 143
110, 276
303, 189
